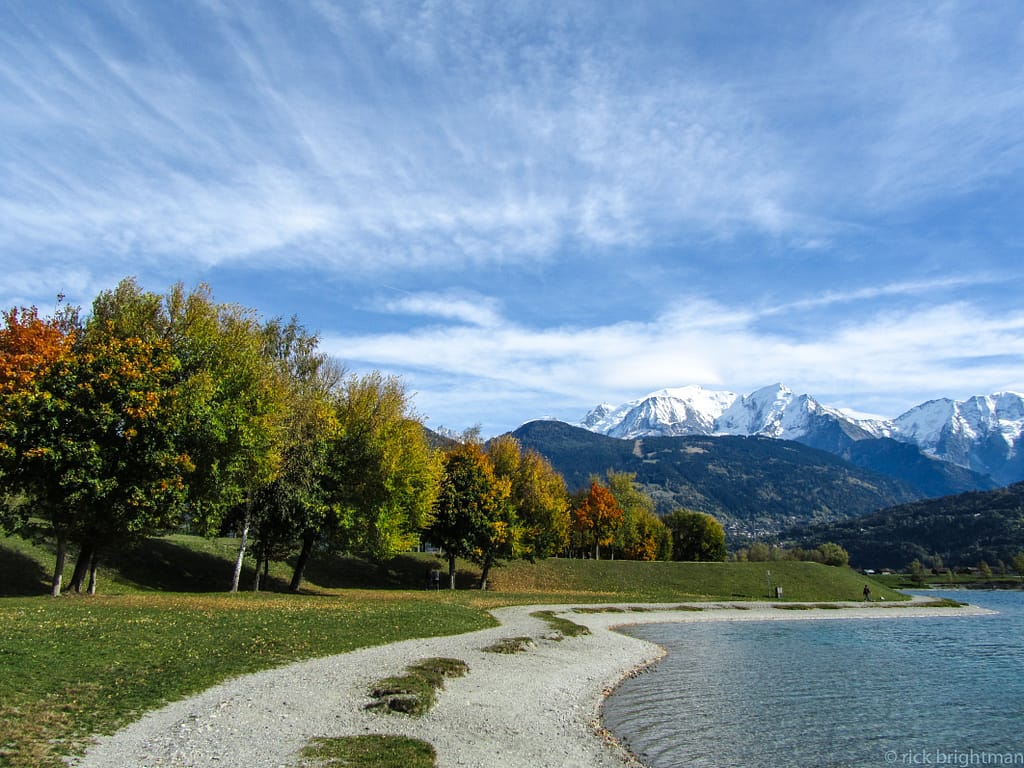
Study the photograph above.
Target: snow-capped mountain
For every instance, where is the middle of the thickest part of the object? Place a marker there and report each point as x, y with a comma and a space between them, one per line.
689, 410
981, 433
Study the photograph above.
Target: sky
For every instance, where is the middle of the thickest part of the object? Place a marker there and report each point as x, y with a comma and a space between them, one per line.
526, 209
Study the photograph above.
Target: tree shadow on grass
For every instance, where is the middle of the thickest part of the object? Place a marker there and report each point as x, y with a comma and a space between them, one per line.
164, 565
21, 575
409, 571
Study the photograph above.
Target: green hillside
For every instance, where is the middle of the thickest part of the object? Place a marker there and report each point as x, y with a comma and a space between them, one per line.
191, 564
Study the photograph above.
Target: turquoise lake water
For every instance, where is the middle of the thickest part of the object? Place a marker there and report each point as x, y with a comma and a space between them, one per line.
853, 693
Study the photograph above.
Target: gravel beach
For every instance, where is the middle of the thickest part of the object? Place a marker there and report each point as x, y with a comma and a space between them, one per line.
539, 707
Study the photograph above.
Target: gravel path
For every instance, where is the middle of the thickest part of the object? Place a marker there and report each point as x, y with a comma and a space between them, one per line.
538, 708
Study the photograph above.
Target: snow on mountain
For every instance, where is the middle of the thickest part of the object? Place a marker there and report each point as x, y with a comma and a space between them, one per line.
689, 410
775, 411
981, 433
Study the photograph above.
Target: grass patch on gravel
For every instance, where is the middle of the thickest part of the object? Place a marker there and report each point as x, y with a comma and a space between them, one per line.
511, 645
414, 692
561, 625
369, 752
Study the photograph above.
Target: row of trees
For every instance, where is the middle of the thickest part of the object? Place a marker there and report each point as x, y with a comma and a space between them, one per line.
828, 553
158, 412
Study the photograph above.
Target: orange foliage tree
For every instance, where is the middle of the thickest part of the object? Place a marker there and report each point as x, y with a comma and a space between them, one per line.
87, 421
596, 518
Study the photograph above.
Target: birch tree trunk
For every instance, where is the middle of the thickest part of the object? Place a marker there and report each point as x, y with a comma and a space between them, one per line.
58, 571
241, 551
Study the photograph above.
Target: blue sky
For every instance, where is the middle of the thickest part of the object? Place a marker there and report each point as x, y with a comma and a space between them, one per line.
525, 209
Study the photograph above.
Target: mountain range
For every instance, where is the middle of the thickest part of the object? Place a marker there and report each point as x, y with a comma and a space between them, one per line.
981, 435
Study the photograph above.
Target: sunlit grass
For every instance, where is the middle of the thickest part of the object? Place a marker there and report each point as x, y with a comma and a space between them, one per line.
77, 666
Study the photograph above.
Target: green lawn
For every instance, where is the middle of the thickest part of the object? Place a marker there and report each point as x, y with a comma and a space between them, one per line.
80, 665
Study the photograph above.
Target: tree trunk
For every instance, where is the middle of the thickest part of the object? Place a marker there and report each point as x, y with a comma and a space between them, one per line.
451, 572
241, 551
94, 564
308, 540
81, 567
58, 571
256, 576
485, 572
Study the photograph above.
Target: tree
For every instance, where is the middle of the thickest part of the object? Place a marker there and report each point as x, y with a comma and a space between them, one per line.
538, 497
697, 537
472, 511
91, 441
642, 535
30, 347
916, 571
833, 554
596, 518
381, 474
292, 510
1018, 564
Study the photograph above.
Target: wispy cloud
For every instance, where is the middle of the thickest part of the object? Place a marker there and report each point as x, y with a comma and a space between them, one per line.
953, 348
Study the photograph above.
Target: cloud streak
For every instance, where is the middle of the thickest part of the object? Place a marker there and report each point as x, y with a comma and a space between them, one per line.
871, 361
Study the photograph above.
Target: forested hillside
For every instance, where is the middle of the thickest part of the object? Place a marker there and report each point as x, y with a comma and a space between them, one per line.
753, 485
961, 530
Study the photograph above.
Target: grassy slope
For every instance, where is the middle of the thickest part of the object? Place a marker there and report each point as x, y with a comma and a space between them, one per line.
81, 665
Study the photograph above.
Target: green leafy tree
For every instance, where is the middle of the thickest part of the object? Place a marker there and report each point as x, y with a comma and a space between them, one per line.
697, 537
292, 510
833, 554
472, 513
538, 497
916, 571
1018, 564
382, 475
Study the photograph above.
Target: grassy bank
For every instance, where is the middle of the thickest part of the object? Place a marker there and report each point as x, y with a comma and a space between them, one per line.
160, 629
79, 665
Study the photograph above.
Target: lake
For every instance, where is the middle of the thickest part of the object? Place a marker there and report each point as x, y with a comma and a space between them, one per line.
854, 693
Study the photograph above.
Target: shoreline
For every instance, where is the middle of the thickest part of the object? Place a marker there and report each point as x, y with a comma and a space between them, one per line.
540, 707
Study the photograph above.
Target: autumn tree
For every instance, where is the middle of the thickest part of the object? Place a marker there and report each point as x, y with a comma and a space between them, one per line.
92, 443
696, 536
472, 513
30, 346
641, 535
230, 394
538, 497
596, 518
